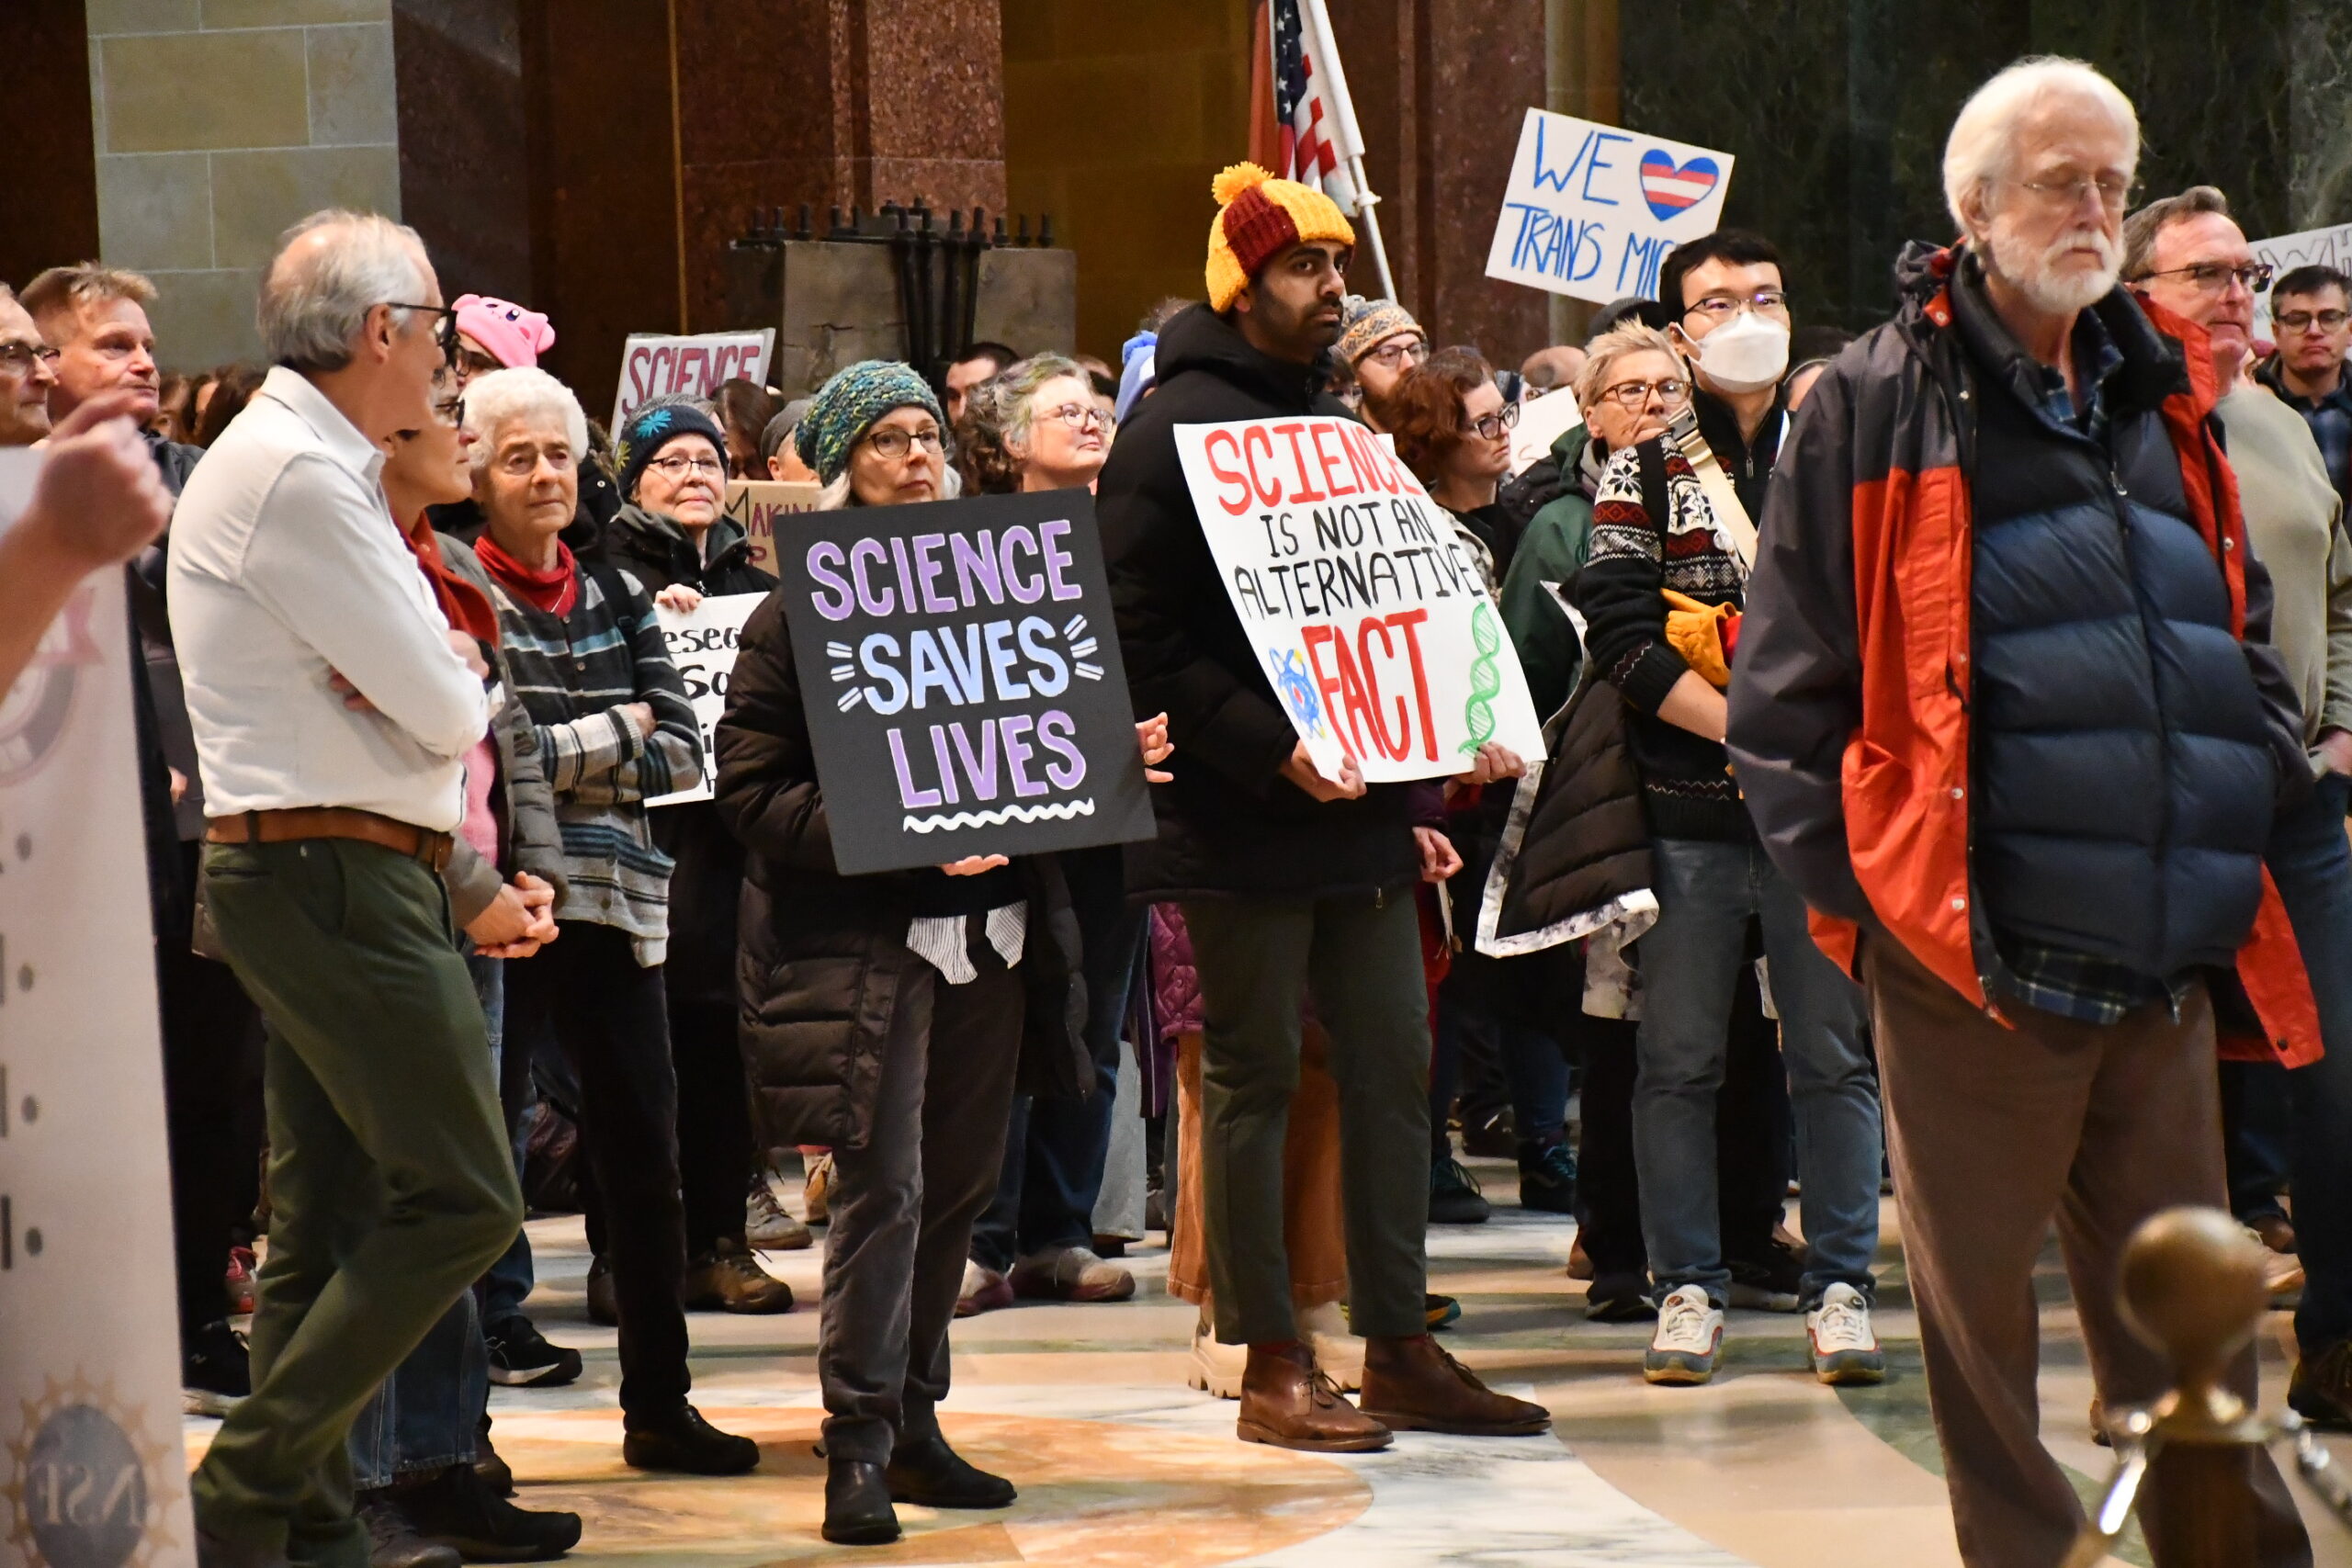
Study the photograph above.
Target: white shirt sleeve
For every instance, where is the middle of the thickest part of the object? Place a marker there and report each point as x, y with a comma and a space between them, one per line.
318, 560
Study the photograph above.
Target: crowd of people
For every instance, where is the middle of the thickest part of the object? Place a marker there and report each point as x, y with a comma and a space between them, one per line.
1949, 748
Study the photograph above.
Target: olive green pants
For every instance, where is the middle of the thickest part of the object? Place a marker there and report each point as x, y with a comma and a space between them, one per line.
391, 1184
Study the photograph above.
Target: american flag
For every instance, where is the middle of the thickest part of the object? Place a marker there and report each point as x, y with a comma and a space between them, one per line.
1317, 136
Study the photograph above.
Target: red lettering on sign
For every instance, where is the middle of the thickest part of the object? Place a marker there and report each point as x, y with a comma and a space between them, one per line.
1397, 742
1330, 459
1409, 622
1254, 440
1303, 487
1325, 681
1221, 442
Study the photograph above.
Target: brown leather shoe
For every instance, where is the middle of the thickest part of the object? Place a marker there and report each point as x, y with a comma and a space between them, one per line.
1287, 1402
1412, 1385
731, 1279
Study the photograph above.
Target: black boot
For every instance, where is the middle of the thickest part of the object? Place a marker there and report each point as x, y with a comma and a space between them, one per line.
857, 1504
393, 1540
933, 1475
684, 1441
459, 1510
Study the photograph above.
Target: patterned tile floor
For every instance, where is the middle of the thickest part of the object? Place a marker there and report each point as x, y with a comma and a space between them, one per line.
1120, 1465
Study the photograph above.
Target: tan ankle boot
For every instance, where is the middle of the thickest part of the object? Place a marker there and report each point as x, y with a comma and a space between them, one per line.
1412, 1385
1285, 1401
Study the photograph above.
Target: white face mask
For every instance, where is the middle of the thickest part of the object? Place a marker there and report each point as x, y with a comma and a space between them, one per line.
1747, 353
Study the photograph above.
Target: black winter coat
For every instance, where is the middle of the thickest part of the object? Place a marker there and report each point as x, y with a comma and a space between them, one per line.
822, 955
707, 884
1230, 824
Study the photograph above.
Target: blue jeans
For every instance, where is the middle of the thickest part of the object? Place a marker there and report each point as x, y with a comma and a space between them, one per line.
424, 1419
1707, 892
1053, 1149
1534, 1065
2309, 861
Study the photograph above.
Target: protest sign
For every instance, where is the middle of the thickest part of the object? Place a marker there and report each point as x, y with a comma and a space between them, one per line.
1541, 420
702, 645
962, 679
1377, 631
2311, 247
1591, 210
654, 365
92, 1467
754, 504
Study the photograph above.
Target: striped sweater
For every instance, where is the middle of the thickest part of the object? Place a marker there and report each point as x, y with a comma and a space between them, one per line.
576, 675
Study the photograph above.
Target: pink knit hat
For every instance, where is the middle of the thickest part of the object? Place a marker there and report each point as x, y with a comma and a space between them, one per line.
515, 337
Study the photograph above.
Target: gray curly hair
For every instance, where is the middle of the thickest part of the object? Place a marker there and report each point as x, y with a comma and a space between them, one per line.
994, 435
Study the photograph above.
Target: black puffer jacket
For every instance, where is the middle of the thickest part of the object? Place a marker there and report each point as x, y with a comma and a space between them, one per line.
822, 954
1230, 824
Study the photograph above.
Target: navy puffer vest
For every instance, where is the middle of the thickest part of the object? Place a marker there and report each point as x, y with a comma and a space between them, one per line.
2123, 774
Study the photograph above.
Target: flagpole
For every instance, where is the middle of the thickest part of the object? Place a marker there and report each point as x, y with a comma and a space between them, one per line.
1328, 56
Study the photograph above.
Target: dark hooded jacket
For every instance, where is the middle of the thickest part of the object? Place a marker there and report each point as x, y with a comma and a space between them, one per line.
707, 884
1230, 824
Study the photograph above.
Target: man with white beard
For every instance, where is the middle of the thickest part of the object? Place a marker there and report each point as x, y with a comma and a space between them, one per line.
2002, 709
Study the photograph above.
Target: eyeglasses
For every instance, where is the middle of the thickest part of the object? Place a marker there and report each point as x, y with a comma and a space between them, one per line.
1724, 307
452, 412
677, 465
473, 362
1078, 416
1492, 426
892, 445
2209, 277
1390, 356
1635, 396
2115, 191
18, 358
444, 328
2291, 321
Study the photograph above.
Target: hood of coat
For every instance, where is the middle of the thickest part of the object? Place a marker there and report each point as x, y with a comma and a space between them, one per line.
656, 536
1200, 339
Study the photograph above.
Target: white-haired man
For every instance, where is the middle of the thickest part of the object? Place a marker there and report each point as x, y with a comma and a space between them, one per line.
333, 707
2024, 761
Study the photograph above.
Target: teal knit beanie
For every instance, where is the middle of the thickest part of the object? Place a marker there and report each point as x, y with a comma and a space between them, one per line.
845, 408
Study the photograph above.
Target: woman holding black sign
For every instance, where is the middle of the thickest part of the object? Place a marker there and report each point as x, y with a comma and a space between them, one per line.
886, 1015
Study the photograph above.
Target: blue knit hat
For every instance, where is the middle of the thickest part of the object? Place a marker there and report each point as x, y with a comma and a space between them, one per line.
649, 430
845, 408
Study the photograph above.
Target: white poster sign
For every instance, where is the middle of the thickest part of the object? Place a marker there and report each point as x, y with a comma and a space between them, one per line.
1541, 420
2313, 247
702, 645
92, 1469
1375, 628
1592, 209
654, 365
753, 505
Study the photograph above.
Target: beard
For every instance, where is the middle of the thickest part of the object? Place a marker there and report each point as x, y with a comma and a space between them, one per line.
2034, 273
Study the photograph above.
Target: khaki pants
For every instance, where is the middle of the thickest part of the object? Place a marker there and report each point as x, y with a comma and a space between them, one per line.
1995, 1131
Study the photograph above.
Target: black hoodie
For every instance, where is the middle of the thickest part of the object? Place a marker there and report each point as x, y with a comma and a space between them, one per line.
1230, 824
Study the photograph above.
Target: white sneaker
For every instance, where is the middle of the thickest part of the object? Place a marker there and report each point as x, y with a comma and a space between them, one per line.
1845, 1349
1216, 1368
1689, 1336
1338, 1354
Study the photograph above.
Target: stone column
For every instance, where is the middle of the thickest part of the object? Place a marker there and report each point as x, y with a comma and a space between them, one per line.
2319, 113
45, 117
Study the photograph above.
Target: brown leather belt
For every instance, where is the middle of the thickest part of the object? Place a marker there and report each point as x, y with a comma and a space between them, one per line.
330, 822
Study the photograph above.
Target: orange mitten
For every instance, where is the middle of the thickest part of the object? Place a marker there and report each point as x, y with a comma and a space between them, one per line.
1704, 635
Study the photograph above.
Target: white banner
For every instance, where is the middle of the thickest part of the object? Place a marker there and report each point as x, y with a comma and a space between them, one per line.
1541, 420
654, 365
91, 1464
1374, 627
2320, 247
1591, 210
702, 645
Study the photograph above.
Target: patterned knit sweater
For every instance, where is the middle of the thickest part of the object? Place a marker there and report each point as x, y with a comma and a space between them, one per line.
575, 675
1687, 787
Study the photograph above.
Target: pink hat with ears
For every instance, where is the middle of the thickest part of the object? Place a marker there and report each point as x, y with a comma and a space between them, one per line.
515, 337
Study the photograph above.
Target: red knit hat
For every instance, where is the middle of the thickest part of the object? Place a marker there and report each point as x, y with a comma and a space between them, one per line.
1259, 218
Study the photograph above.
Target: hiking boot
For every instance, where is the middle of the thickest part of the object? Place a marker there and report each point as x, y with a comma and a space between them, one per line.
1774, 1282
1454, 1197
2320, 1390
1845, 1349
393, 1540
766, 1225
216, 1373
456, 1510
684, 1441
984, 1290
520, 1357
1071, 1274
729, 1279
1287, 1404
1412, 1385
1547, 1180
930, 1474
1689, 1337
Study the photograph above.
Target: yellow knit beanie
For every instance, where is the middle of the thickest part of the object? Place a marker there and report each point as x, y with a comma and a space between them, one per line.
1257, 219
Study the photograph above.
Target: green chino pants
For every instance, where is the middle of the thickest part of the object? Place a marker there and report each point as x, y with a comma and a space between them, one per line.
391, 1184
1359, 958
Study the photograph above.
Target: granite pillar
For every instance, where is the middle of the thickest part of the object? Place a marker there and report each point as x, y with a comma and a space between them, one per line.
2319, 113
45, 117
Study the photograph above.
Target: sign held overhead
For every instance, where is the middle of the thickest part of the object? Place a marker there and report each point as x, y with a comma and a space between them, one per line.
1592, 209
655, 365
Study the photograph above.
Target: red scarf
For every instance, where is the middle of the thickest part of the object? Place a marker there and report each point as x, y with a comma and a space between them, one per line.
553, 592
468, 607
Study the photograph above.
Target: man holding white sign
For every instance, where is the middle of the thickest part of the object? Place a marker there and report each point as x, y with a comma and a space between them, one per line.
1261, 542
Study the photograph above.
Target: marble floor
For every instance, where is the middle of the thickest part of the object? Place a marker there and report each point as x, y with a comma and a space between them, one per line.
1119, 1464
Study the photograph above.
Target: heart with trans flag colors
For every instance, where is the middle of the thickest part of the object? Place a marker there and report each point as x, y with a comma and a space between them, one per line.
1671, 190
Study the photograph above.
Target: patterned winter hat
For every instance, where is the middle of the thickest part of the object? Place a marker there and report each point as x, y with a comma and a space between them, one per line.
846, 407
1365, 325
1259, 218
650, 429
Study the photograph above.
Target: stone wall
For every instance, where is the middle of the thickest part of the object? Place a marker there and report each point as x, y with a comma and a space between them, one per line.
218, 123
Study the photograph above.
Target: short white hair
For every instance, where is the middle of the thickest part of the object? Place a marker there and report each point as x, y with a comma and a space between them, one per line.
1983, 145
505, 397
312, 307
